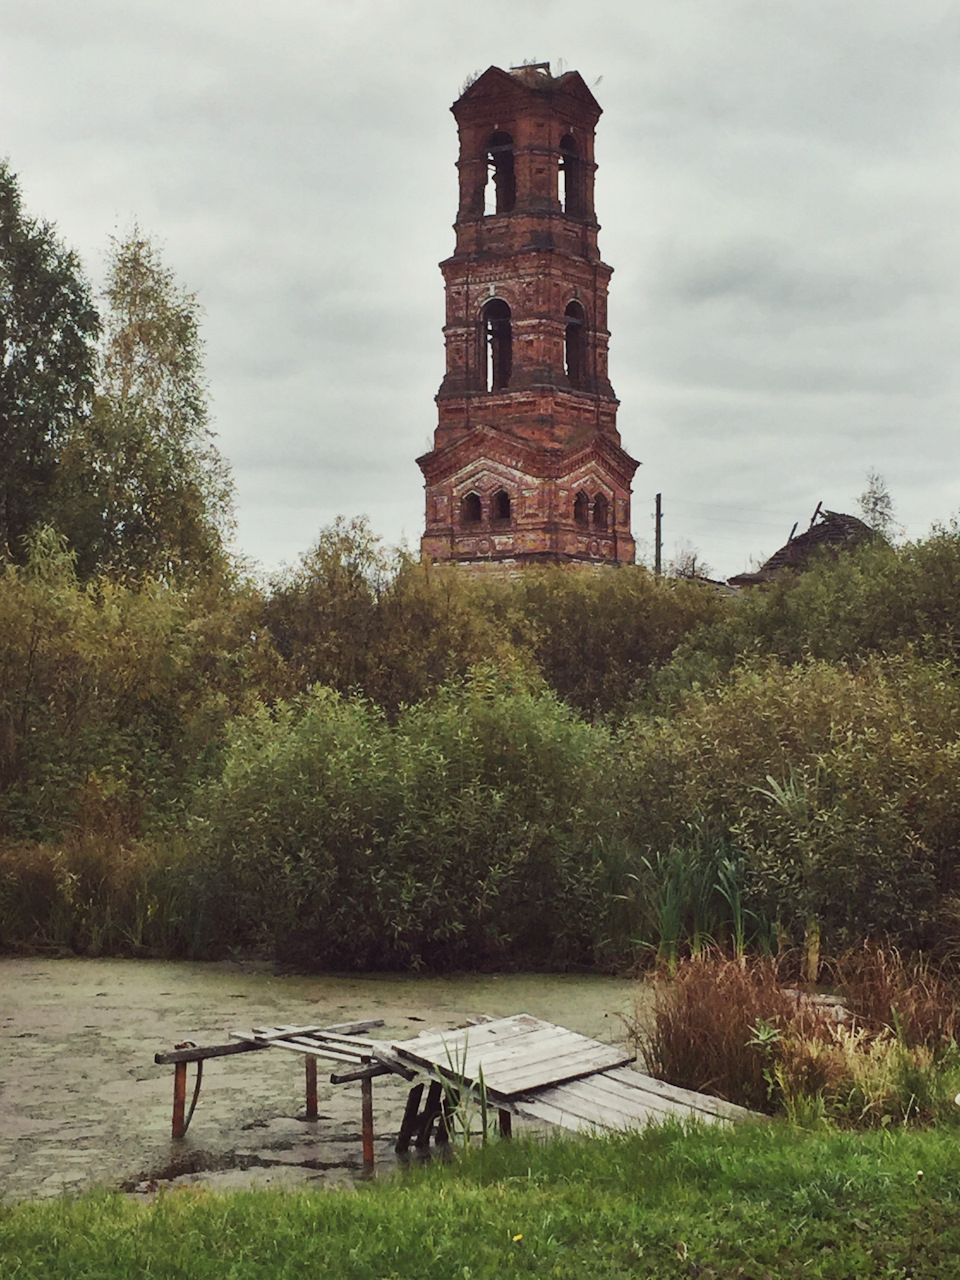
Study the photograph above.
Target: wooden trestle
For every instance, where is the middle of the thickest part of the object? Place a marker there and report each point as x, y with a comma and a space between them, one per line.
518, 1065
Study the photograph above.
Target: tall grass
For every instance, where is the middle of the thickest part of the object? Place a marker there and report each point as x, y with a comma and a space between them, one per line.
735, 1030
95, 896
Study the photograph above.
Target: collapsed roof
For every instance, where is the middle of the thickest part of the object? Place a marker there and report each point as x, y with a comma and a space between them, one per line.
832, 529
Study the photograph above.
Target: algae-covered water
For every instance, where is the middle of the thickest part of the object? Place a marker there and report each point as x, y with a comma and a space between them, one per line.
82, 1102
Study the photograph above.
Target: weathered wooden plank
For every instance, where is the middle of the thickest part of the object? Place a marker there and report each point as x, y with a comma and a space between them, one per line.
540, 1043
610, 1108
523, 1055
585, 1105
689, 1097
499, 1030
246, 1041
538, 1074
332, 1052
579, 1119
516, 1054
620, 1099
334, 1029
273, 1034
350, 1050
533, 1072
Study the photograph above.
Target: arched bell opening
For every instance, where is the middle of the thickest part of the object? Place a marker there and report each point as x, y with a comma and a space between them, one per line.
497, 340
571, 177
500, 188
575, 345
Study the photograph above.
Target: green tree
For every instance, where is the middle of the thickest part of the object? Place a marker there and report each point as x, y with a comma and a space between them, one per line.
876, 505
142, 489
48, 327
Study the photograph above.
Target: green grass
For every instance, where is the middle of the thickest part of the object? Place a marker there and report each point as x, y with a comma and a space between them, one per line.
759, 1201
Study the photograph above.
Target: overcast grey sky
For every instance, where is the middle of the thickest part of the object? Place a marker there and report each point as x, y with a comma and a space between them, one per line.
779, 192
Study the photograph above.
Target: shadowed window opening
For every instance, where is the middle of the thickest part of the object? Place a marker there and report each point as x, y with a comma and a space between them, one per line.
497, 345
574, 345
500, 509
500, 188
601, 512
571, 178
471, 512
581, 508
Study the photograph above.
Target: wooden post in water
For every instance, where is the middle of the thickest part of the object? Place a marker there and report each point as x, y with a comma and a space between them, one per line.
179, 1098
310, 1065
366, 1104
506, 1123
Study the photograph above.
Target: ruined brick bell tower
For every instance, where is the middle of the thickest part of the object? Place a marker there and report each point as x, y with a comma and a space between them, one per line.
527, 464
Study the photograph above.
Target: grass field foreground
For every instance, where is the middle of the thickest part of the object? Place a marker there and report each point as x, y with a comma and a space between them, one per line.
763, 1200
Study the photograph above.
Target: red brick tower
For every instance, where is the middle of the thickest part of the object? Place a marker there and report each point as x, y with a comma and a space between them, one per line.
527, 463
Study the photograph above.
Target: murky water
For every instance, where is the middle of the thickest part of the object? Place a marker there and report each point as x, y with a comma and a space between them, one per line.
82, 1103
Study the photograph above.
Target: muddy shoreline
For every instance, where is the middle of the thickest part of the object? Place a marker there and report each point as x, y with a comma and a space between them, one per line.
82, 1103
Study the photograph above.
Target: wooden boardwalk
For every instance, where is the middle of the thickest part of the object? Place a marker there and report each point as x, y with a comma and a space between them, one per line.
525, 1067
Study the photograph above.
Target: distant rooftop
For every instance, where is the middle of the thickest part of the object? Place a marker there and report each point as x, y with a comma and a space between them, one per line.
831, 529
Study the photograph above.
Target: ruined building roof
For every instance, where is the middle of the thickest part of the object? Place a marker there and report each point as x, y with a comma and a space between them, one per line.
831, 529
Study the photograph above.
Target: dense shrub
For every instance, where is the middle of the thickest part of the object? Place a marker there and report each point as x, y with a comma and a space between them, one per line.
599, 636
470, 833
840, 788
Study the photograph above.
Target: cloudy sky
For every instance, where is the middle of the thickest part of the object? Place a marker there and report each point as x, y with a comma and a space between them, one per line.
779, 191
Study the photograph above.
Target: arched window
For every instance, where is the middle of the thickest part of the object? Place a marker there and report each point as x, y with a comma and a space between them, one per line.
500, 192
601, 511
571, 177
497, 344
471, 512
500, 507
574, 345
581, 508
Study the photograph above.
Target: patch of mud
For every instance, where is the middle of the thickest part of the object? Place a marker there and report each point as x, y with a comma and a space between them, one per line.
82, 1102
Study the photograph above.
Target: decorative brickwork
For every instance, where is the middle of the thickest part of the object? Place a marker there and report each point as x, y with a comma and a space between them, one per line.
527, 463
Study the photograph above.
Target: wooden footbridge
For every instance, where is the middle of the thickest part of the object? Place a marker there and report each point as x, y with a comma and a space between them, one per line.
518, 1066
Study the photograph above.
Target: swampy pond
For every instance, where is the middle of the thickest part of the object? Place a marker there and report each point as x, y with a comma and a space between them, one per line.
82, 1103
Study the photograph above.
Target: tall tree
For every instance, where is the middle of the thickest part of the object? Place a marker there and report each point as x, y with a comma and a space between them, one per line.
48, 327
876, 505
143, 489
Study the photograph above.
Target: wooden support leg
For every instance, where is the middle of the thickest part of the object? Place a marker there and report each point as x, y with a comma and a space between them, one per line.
409, 1123
366, 1095
506, 1124
431, 1110
179, 1098
310, 1064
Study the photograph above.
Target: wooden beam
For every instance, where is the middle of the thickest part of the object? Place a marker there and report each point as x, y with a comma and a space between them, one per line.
366, 1096
311, 1073
211, 1051
179, 1098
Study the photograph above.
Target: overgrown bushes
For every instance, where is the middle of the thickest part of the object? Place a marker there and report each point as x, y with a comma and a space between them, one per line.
380, 763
